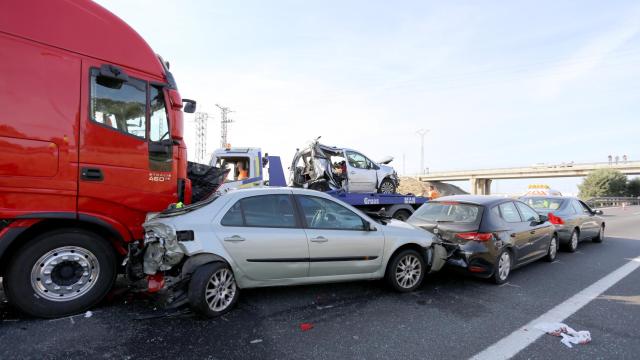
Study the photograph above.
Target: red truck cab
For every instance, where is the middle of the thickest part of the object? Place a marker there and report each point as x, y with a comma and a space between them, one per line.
91, 137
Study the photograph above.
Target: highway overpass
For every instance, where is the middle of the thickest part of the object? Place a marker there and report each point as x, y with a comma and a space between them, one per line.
481, 178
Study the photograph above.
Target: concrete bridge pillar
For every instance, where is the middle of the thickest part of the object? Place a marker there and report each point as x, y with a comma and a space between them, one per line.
480, 186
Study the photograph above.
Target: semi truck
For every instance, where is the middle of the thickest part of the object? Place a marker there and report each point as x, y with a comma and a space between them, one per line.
267, 170
91, 136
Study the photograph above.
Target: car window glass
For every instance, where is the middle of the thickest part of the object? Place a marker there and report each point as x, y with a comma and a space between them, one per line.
577, 207
543, 203
357, 160
322, 213
233, 217
122, 109
261, 211
509, 212
446, 211
268, 211
584, 207
158, 123
528, 214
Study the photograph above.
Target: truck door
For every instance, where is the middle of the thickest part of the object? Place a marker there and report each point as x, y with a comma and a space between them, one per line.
361, 178
126, 166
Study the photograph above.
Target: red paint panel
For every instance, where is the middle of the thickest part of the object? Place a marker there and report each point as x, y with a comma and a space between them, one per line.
39, 103
24, 157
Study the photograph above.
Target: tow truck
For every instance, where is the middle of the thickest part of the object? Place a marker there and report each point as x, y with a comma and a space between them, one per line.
267, 170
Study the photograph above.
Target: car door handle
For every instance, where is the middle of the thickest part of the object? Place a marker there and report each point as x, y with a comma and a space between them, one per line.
234, 238
319, 239
352, 173
532, 232
91, 174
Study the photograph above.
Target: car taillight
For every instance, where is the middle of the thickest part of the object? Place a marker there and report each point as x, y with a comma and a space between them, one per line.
476, 236
556, 220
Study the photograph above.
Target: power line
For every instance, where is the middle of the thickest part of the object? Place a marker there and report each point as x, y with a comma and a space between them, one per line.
224, 121
201, 136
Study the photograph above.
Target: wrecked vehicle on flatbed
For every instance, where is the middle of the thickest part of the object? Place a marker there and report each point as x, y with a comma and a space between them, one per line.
321, 167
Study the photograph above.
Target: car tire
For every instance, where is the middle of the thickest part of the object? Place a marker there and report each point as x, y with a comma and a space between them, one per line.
387, 186
402, 215
600, 236
552, 250
406, 271
503, 266
574, 239
60, 273
209, 281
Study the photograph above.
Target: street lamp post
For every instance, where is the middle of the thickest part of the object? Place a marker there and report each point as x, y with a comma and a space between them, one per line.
422, 133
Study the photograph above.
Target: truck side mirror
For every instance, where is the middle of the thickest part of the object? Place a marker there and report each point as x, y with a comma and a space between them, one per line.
189, 106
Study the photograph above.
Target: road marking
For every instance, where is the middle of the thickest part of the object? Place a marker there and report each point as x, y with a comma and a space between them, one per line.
526, 335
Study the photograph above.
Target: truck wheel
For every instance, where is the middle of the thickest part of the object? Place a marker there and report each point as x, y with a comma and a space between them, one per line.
213, 290
402, 215
406, 271
387, 187
60, 273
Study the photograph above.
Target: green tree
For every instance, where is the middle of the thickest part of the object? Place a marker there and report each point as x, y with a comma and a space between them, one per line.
633, 187
603, 182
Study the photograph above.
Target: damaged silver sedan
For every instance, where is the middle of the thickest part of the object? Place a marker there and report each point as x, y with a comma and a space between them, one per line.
321, 167
281, 236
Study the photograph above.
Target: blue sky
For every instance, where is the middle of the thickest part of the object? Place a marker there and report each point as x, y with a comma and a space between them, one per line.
498, 83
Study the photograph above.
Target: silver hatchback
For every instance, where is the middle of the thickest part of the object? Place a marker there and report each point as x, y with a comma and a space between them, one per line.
281, 236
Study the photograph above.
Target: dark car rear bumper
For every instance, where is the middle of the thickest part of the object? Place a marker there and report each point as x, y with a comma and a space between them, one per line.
474, 258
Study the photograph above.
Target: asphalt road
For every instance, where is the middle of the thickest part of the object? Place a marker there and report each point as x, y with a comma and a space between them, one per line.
450, 317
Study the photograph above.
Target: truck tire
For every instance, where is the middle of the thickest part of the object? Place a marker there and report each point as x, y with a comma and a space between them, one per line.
402, 215
387, 186
59, 273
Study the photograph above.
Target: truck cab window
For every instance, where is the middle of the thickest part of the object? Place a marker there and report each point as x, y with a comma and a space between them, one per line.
158, 124
123, 109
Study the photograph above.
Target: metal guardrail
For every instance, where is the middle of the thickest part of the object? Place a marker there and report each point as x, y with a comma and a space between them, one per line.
612, 201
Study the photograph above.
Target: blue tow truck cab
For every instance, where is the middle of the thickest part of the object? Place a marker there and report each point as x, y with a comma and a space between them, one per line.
251, 161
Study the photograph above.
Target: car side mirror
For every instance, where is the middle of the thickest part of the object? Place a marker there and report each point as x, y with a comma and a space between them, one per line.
543, 218
366, 226
189, 106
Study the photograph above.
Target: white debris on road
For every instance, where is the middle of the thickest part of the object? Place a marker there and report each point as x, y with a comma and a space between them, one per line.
88, 314
569, 336
256, 341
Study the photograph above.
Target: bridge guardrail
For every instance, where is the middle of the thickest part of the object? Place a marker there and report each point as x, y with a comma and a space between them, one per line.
612, 201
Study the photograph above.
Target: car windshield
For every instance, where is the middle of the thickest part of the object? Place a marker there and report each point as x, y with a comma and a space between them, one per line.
543, 203
442, 211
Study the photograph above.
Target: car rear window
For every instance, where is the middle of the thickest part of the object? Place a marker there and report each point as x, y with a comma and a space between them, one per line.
543, 203
454, 212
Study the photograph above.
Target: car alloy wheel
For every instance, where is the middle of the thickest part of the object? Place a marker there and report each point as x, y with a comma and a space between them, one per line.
212, 289
221, 290
600, 235
503, 267
553, 249
408, 271
573, 242
387, 187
